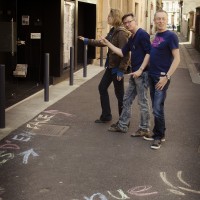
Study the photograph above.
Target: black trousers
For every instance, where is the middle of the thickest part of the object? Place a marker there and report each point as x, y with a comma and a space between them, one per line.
105, 82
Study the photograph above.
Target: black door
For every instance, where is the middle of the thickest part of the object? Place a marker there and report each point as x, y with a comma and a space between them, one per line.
21, 48
86, 28
29, 36
8, 35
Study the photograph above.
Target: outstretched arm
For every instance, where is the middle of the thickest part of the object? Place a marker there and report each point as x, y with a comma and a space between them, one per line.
81, 38
115, 49
92, 42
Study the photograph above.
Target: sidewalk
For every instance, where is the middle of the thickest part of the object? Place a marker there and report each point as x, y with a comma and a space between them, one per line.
25, 110
191, 57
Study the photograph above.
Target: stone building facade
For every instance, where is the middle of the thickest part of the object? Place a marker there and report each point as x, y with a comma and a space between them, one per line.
143, 10
190, 21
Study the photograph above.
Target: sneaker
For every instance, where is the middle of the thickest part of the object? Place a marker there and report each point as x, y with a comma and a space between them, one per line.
113, 125
115, 128
156, 144
140, 132
151, 138
118, 123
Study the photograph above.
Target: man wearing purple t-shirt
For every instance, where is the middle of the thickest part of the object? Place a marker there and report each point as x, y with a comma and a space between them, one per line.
164, 59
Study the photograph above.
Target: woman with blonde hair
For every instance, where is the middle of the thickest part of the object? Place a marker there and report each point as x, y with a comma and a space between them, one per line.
115, 66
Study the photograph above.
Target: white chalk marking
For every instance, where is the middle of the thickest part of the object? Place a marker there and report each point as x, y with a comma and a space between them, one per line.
163, 177
176, 192
123, 196
8, 156
2, 190
179, 175
24, 137
101, 196
26, 155
190, 190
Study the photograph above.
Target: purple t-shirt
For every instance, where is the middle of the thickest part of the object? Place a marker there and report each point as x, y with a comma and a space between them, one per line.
139, 45
161, 52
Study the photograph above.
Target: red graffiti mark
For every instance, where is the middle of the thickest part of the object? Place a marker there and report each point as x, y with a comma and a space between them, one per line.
9, 145
55, 112
141, 191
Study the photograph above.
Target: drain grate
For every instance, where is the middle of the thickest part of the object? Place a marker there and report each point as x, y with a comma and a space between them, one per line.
51, 130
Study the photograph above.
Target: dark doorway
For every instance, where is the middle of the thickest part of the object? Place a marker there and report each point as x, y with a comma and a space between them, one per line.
8, 35
29, 33
22, 25
86, 28
197, 28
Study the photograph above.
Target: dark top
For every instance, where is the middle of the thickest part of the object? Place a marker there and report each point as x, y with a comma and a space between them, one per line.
139, 45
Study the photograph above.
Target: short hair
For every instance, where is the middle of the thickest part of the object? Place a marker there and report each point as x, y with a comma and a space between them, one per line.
117, 16
127, 15
159, 11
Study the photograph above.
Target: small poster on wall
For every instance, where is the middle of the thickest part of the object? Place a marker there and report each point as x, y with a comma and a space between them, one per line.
25, 20
68, 36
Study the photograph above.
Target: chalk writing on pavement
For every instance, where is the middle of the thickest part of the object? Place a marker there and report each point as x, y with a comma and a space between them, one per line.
145, 190
26, 136
176, 189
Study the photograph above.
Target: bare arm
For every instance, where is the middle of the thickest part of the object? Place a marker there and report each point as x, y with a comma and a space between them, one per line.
175, 63
145, 62
115, 49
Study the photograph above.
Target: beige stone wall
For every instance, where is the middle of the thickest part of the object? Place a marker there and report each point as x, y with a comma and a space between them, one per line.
143, 10
188, 7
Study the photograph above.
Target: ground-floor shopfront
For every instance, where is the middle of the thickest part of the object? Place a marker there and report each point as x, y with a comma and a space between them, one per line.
29, 30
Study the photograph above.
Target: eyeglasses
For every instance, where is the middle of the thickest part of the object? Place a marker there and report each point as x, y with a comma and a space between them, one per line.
128, 22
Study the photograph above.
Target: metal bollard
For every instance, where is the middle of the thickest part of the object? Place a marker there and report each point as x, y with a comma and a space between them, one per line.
101, 56
2, 96
71, 79
46, 77
85, 61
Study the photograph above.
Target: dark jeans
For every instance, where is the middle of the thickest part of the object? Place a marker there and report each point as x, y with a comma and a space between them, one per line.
105, 82
158, 101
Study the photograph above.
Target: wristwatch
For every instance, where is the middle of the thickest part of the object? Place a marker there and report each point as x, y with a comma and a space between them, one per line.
167, 76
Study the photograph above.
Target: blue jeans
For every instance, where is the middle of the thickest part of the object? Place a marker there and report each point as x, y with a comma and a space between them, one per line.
137, 87
158, 99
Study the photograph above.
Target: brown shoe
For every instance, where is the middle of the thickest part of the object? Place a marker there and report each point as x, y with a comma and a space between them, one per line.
116, 128
140, 133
